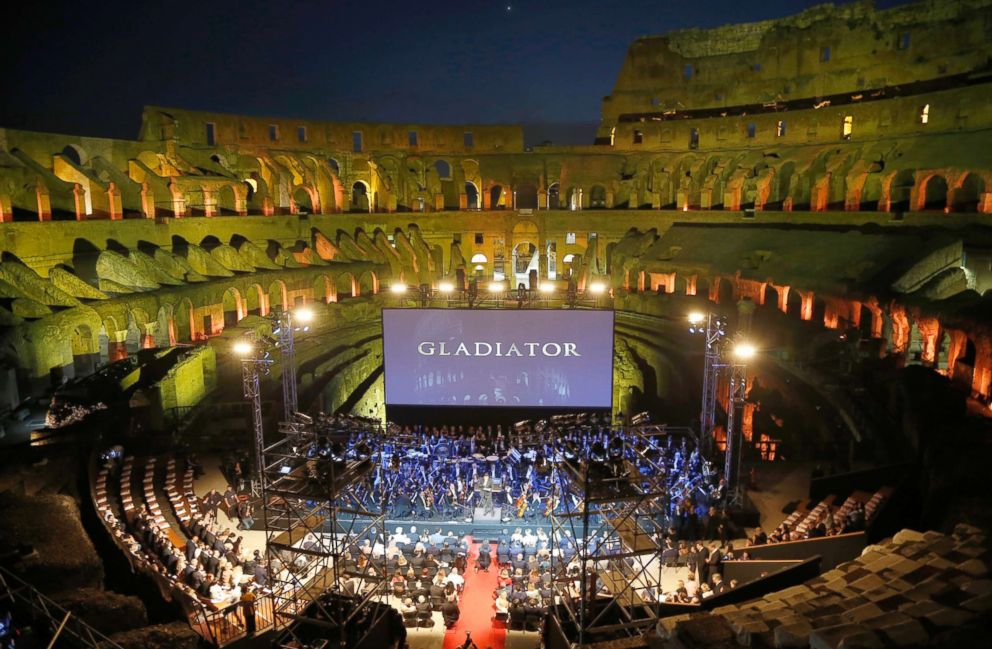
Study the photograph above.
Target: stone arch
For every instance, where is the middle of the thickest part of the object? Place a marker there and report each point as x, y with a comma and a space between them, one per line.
554, 196
323, 289
819, 310
967, 195
724, 291
233, 307
85, 351
278, 295
345, 286
360, 197
472, 195
305, 199
573, 198
497, 199
443, 169
227, 201
368, 283
254, 300
334, 165
900, 189
794, 304
933, 193
525, 196
76, 154
165, 328
597, 197
771, 297
184, 324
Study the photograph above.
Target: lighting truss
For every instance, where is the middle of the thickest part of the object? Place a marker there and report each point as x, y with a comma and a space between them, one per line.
316, 513
603, 532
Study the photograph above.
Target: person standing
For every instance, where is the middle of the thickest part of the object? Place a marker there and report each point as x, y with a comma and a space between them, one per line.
248, 609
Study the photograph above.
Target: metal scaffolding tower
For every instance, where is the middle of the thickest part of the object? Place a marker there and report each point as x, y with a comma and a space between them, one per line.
606, 563
732, 457
317, 512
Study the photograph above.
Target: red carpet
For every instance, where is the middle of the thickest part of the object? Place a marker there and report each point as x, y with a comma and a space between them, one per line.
477, 607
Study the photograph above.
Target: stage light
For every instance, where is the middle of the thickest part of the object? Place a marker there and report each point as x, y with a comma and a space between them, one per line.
696, 318
597, 288
744, 351
547, 287
398, 289
446, 287
304, 314
495, 287
243, 348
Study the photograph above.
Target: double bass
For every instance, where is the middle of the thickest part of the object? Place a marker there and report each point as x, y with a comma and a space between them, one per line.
521, 504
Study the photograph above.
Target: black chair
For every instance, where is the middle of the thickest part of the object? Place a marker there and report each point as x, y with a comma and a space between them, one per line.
533, 621
410, 619
425, 619
518, 619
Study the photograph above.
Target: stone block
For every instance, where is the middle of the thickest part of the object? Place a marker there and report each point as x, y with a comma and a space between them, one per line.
907, 536
948, 616
831, 637
863, 613
974, 567
864, 640
887, 619
792, 635
791, 592
868, 582
907, 633
978, 604
963, 530
978, 587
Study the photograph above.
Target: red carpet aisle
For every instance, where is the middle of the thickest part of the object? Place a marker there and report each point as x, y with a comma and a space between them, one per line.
477, 608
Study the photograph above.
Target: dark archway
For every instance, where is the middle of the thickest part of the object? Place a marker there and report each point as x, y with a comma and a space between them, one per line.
471, 196
935, 193
900, 190
495, 195
554, 198
359, 197
303, 200
597, 197
526, 197
968, 195
794, 304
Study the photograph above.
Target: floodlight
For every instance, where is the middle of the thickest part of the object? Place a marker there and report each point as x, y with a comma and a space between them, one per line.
398, 288
547, 287
243, 348
744, 351
696, 318
304, 314
597, 288
495, 287
446, 287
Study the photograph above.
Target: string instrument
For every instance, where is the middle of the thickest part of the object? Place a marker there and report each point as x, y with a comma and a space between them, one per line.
428, 498
550, 505
521, 504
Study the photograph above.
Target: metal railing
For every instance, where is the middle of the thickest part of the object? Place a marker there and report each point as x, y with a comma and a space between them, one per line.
62, 624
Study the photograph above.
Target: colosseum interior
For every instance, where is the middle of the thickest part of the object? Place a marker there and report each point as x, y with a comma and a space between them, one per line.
820, 182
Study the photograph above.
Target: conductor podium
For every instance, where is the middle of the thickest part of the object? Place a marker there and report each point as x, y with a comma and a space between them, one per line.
481, 515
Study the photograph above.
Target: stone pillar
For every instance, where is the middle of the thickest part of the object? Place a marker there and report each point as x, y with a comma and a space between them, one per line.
148, 341
6, 210
79, 198
44, 203
114, 205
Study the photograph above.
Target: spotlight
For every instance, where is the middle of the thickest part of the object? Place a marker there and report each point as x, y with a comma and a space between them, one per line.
446, 287
398, 289
597, 288
745, 351
696, 318
547, 287
243, 348
304, 314
495, 287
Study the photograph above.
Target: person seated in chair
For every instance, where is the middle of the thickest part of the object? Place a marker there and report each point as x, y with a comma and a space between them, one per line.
450, 613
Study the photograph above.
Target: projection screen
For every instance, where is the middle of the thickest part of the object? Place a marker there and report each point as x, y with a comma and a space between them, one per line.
497, 357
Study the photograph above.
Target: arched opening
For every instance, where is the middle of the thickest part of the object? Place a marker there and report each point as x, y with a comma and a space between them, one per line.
254, 300
85, 354
227, 201
471, 196
185, 328
724, 291
900, 190
165, 328
794, 304
335, 167
75, 154
871, 193
322, 289
554, 199
819, 310
368, 283
278, 296
443, 169
772, 297
865, 322
345, 286
935, 193
303, 200
968, 194
233, 307
573, 198
479, 258
359, 197
597, 197
496, 199
526, 197
525, 259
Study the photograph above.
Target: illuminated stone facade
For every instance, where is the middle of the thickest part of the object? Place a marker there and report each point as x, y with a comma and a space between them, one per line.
870, 122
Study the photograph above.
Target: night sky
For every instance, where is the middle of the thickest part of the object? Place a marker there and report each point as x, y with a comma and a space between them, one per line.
88, 68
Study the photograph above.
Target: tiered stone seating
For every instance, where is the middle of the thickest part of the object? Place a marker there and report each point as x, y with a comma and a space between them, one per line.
897, 593
814, 514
